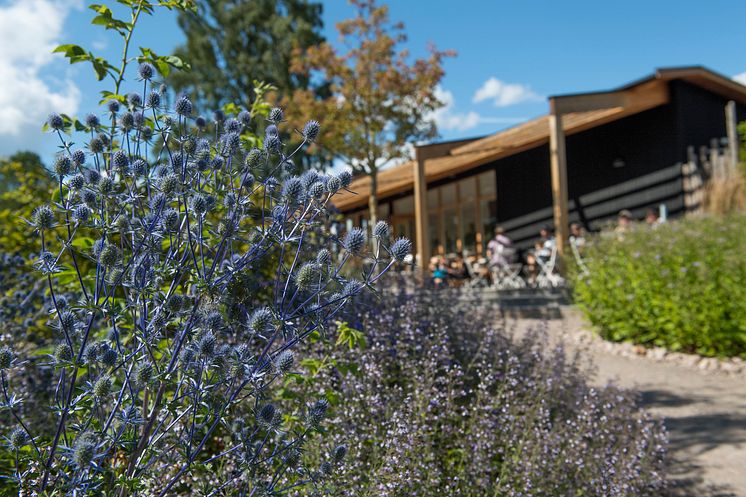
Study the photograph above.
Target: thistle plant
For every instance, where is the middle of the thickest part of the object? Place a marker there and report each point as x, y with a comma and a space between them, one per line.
193, 268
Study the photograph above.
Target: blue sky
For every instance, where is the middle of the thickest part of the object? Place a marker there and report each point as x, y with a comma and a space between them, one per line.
511, 54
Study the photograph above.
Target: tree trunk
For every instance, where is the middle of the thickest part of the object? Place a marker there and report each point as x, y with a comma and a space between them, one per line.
373, 198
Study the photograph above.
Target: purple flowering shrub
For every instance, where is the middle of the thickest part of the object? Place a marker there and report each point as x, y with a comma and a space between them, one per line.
440, 401
184, 268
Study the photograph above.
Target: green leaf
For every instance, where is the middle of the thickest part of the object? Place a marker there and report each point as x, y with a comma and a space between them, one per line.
106, 18
75, 53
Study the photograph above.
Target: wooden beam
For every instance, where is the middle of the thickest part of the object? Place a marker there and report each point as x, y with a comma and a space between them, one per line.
731, 125
589, 101
420, 215
558, 165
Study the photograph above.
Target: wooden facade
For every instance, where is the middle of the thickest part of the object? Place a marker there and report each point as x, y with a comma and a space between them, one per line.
593, 155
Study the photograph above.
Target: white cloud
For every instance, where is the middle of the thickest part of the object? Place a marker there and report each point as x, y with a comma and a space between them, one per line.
29, 31
740, 78
447, 118
505, 94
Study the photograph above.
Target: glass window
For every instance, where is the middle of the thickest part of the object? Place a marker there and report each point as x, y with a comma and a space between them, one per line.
469, 228
384, 212
448, 194
488, 217
450, 221
404, 206
487, 183
433, 228
432, 198
467, 189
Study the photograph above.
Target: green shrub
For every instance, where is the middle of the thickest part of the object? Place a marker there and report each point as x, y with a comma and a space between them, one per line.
679, 286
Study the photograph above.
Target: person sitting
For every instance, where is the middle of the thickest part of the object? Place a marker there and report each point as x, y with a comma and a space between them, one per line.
439, 270
500, 249
577, 237
651, 218
545, 246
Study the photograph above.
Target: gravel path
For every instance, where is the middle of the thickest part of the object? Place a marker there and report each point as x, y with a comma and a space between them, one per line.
704, 411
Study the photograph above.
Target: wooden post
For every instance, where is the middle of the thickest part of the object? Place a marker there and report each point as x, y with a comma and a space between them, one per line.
559, 181
420, 214
731, 126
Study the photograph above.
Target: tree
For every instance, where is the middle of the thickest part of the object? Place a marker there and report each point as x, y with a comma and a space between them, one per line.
380, 100
231, 44
23, 181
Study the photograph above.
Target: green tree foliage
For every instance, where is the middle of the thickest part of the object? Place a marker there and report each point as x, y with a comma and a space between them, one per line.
380, 99
232, 44
23, 181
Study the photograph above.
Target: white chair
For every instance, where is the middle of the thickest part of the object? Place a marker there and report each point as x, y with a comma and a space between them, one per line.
578, 259
548, 277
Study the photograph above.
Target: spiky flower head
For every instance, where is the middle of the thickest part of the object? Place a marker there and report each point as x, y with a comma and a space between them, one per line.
293, 189
284, 361
78, 157
183, 106
6, 357
82, 213
63, 353
306, 276
55, 122
323, 257
134, 100
339, 453
170, 220
233, 126
92, 121
113, 106
244, 117
127, 121
62, 165
140, 167
169, 184
76, 182
346, 178
355, 241
272, 144
254, 158
231, 142
120, 160
17, 439
276, 115
266, 415
108, 256
311, 130
317, 412
102, 387
333, 184
200, 122
105, 185
144, 374
381, 230
261, 320
153, 100
316, 190
401, 248
96, 145
43, 218
84, 450
146, 71
206, 344
108, 356
352, 288
200, 204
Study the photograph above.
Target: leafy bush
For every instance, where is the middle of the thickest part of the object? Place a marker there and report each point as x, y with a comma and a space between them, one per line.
168, 335
441, 402
679, 286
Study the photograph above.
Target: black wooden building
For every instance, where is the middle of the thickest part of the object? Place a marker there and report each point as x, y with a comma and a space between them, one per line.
623, 149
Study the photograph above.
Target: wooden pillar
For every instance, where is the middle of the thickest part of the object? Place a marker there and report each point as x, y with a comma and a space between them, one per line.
558, 163
420, 214
731, 126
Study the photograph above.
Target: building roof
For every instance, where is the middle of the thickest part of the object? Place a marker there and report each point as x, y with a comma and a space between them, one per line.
621, 102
